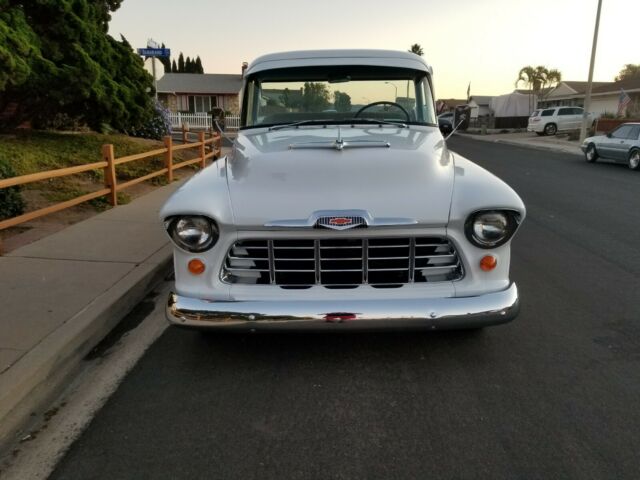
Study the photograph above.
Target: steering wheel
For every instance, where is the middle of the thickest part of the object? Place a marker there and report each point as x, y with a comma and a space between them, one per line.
393, 104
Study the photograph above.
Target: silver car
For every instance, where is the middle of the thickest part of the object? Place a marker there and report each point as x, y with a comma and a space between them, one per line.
621, 145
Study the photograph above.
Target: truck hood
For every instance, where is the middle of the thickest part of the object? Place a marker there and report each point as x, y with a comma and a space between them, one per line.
291, 173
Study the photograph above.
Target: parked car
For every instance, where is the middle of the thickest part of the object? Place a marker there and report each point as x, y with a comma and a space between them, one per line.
621, 145
360, 218
445, 122
549, 121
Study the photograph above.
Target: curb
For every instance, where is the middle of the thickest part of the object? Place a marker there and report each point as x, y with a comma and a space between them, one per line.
524, 145
42, 373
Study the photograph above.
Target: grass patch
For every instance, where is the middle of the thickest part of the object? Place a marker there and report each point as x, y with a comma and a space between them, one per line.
33, 151
36, 151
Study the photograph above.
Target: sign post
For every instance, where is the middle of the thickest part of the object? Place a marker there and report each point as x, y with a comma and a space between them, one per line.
153, 52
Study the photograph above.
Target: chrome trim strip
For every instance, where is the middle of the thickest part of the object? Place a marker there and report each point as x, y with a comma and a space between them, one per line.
340, 145
412, 259
272, 271
312, 220
317, 258
428, 313
365, 261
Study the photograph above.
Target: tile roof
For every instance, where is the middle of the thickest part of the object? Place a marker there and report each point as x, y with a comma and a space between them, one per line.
581, 87
481, 99
452, 102
213, 83
614, 87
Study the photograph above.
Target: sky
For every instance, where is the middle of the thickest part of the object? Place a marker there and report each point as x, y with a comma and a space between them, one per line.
482, 42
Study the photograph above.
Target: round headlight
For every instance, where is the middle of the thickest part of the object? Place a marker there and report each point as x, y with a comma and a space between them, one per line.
491, 229
194, 233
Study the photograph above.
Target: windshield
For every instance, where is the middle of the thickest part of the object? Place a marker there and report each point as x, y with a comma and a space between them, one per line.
338, 95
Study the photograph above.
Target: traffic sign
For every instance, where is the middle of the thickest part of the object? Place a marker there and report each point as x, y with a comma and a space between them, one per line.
154, 52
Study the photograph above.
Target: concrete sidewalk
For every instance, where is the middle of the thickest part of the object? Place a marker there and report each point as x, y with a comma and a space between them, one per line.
556, 143
61, 295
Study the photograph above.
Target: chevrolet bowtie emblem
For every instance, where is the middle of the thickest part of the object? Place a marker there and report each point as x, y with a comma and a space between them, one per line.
341, 223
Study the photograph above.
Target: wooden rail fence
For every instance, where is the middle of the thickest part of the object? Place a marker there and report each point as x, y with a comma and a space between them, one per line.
111, 184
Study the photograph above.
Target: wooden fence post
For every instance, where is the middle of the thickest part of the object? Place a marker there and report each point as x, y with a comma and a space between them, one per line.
168, 157
110, 173
203, 162
184, 134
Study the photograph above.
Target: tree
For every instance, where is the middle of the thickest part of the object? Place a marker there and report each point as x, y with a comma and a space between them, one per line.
166, 62
630, 70
199, 68
417, 49
188, 65
181, 63
174, 67
69, 65
291, 99
315, 97
539, 81
342, 102
18, 47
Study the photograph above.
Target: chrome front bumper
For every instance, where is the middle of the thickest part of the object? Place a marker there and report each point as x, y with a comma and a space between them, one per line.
427, 313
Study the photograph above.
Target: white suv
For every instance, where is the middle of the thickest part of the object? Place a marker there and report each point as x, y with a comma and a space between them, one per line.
549, 121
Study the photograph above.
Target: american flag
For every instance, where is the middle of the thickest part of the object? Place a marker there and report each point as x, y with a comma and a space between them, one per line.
623, 101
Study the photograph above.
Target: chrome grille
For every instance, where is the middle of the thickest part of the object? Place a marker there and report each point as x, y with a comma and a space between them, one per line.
342, 262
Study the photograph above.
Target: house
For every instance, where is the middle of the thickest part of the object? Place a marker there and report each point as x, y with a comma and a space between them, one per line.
200, 92
568, 94
480, 106
604, 95
448, 104
604, 99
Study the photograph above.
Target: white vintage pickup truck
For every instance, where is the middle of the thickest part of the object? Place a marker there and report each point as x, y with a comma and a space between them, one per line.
341, 207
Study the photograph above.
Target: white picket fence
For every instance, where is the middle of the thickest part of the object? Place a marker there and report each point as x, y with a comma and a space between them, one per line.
231, 122
196, 121
200, 121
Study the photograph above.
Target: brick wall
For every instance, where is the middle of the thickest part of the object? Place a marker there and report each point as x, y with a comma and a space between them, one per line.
232, 104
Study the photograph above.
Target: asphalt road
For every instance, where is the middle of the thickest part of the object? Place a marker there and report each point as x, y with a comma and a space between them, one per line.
554, 394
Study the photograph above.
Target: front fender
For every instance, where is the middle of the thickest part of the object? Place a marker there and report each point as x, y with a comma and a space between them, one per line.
476, 189
206, 193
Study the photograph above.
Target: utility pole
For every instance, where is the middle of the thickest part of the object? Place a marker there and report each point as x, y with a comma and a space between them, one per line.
394, 86
155, 78
153, 44
587, 98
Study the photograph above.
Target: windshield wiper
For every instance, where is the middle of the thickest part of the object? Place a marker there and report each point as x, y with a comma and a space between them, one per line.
372, 121
297, 124
331, 121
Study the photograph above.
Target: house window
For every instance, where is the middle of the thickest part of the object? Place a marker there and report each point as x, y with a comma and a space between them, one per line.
202, 103
182, 103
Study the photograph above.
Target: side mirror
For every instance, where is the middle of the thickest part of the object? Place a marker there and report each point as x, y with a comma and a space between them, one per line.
443, 128
609, 135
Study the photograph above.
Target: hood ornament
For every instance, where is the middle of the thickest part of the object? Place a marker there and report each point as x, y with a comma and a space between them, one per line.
340, 144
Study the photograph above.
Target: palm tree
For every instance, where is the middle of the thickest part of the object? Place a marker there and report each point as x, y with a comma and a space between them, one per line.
417, 49
551, 77
528, 75
539, 79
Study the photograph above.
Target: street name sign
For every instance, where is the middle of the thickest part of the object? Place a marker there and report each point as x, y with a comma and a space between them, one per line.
154, 52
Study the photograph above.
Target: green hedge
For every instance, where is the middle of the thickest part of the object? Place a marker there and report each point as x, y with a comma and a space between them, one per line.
11, 202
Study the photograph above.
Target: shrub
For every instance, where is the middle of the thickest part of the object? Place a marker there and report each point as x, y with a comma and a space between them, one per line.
11, 202
157, 126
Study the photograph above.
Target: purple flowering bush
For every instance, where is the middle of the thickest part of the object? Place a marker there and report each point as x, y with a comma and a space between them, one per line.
157, 126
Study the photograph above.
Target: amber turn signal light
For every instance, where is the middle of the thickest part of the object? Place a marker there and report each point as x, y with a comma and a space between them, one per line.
488, 263
196, 266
